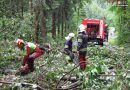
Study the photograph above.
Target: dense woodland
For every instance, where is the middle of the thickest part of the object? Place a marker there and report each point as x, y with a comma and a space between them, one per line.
49, 21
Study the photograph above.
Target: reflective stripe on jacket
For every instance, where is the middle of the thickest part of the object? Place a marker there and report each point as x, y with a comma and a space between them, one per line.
82, 40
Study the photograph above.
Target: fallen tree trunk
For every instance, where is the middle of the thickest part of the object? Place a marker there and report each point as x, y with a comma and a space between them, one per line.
70, 78
71, 86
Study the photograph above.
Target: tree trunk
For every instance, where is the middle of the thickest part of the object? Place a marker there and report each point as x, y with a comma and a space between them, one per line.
17, 5
58, 26
30, 7
12, 9
36, 27
65, 27
22, 8
58, 29
62, 31
43, 27
62, 26
53, 25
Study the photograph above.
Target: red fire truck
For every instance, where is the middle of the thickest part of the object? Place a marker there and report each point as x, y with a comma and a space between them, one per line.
96, 30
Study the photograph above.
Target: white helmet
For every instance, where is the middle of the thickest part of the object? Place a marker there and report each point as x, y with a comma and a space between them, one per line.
71, 35
82, 28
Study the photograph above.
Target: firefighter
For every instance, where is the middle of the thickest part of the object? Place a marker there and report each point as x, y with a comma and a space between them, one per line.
32, 52
68, 45
82, 40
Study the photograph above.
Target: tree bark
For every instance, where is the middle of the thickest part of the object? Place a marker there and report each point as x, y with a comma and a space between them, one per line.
43, 26
58, 26
65, 27
62, 26
62, 31
30, 7
58, 29
22, 8
53, 25
72, 86
36, 27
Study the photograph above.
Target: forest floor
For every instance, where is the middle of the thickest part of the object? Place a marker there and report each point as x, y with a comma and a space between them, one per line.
50, 69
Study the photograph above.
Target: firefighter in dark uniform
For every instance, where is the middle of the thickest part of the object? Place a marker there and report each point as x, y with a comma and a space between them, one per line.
82, 40
68, 45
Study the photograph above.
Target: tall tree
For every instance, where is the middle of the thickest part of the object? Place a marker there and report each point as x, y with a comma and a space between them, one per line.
30, 7
61, 12
36, 24
53, 25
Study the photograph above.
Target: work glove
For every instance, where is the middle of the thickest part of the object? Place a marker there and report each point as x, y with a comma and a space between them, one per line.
24, 68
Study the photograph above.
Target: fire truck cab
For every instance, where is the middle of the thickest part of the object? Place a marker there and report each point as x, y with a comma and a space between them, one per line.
96, 30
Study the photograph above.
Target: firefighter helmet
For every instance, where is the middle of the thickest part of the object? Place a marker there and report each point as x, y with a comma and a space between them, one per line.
82, 28
19, 42
71, 35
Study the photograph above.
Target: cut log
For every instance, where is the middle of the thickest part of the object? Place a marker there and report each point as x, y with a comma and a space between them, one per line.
70, 78
71, 86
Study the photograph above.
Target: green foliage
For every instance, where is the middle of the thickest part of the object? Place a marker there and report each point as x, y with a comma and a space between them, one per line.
13, 8
122, 23
12, 28
9, 56
51, 75
100, 60
97, 9
15, 24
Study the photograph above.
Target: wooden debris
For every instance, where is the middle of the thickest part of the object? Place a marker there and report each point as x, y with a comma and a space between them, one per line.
34, 86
